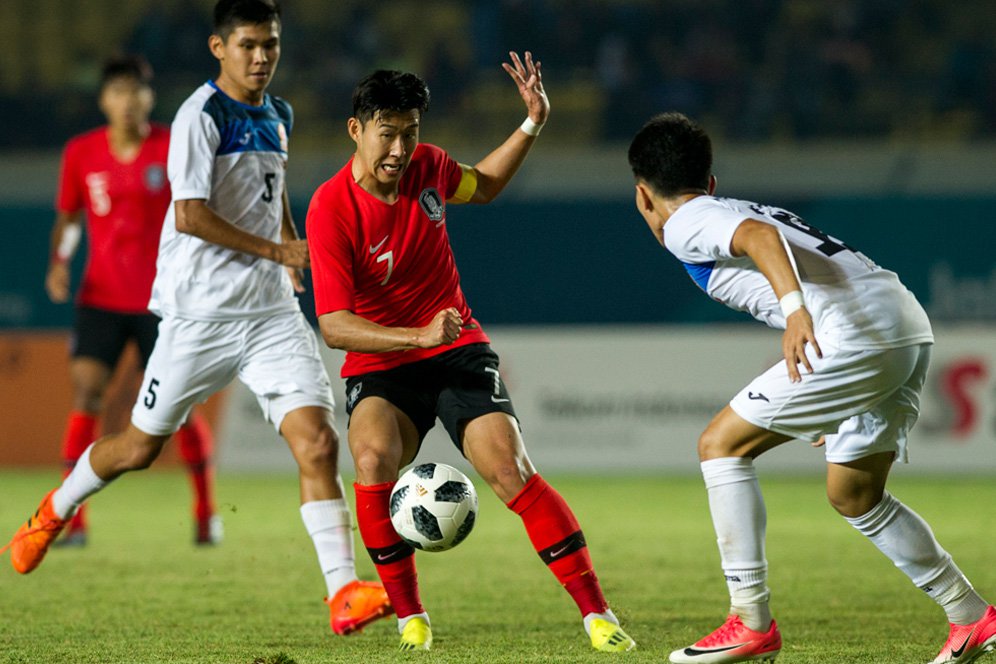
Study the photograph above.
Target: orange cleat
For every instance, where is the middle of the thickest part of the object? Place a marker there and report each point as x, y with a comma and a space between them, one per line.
356, 605
31, 541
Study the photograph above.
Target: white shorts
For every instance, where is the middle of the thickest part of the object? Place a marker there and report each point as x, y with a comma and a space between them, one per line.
864, 402
276, 357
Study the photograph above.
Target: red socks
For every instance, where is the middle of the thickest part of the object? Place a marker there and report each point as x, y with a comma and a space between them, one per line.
558, 540
394, 559
195, 445
80, 432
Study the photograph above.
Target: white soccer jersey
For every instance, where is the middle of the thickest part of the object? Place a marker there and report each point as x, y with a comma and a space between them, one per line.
233, 156
855, 304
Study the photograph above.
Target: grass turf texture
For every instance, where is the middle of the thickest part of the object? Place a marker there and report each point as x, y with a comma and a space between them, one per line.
141, 592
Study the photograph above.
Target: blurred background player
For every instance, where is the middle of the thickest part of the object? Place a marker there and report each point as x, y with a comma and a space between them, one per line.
869, 344
228, 308
117, 174
388, 293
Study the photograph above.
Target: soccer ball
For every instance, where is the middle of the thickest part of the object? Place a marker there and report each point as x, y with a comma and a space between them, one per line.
433, 506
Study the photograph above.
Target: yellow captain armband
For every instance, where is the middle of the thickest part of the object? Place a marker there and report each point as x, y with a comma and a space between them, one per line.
468, 185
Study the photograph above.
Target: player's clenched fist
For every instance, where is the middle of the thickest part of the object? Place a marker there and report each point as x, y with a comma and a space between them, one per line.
294, 253
443, 330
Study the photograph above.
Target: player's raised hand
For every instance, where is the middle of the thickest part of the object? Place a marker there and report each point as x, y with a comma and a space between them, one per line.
528, 77
57, 282
798, 333
443, 330
294, 253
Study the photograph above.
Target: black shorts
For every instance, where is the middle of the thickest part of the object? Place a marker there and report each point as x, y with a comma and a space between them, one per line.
456, 386
102, 334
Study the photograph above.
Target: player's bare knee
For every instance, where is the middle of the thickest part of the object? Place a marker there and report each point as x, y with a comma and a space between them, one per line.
318, 449
711, 445
506, 478
852, 503
373, 464
88, 396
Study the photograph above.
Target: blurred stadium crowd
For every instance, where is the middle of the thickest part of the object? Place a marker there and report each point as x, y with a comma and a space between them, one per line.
755, 70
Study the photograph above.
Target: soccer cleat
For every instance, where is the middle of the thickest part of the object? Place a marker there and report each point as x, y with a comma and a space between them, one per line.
733, 642
209, 531
609, 637
31, 541
966, 643
356, 605
416, 635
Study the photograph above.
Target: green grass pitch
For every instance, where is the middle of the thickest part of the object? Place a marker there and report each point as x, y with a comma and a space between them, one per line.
141, 592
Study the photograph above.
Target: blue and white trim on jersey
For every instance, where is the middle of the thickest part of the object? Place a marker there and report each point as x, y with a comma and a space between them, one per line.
700, 273
245, 128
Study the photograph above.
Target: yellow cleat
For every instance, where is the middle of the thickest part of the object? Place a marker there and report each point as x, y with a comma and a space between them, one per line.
610, 637
416, 635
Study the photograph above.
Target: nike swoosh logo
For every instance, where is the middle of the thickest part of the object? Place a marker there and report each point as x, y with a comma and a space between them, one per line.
381, 558
692, 652
955, 654
554, 554
375, 248
495, 399
757, 397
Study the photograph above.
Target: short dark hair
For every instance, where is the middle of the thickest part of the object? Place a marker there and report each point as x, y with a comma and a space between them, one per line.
230, 14
389, 90
126, 66
672, 154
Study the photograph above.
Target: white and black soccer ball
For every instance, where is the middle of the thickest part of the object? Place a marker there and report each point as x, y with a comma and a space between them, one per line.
433, 506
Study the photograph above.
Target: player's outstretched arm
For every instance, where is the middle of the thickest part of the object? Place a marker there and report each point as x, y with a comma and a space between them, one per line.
497, 169
764, 245
66, 232
196, 218
346, 331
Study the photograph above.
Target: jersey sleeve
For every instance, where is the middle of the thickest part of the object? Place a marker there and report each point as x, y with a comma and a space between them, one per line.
69, 197
194, 141
702, 233
331, 251
453, 178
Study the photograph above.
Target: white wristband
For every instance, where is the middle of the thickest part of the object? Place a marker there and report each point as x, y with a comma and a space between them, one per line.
791, 302
531, 128
67, 244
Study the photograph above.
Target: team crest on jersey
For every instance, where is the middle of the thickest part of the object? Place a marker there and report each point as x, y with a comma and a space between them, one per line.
282, 133
155, 177
432, 204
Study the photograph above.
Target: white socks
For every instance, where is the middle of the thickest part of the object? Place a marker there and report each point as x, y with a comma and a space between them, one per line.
77, 487
328, 523
740, 520
908, 541
404, 621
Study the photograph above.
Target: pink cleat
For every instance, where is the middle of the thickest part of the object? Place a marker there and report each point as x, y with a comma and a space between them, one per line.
966, 643
733, 642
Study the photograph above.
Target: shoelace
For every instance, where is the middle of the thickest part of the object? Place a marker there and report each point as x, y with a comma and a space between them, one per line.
723, 633
51, 524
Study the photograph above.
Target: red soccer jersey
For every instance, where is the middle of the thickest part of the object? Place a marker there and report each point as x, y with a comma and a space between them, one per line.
390, 264
125, 206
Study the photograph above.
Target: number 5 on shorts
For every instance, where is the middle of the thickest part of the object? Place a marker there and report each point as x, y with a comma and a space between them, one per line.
150, 394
